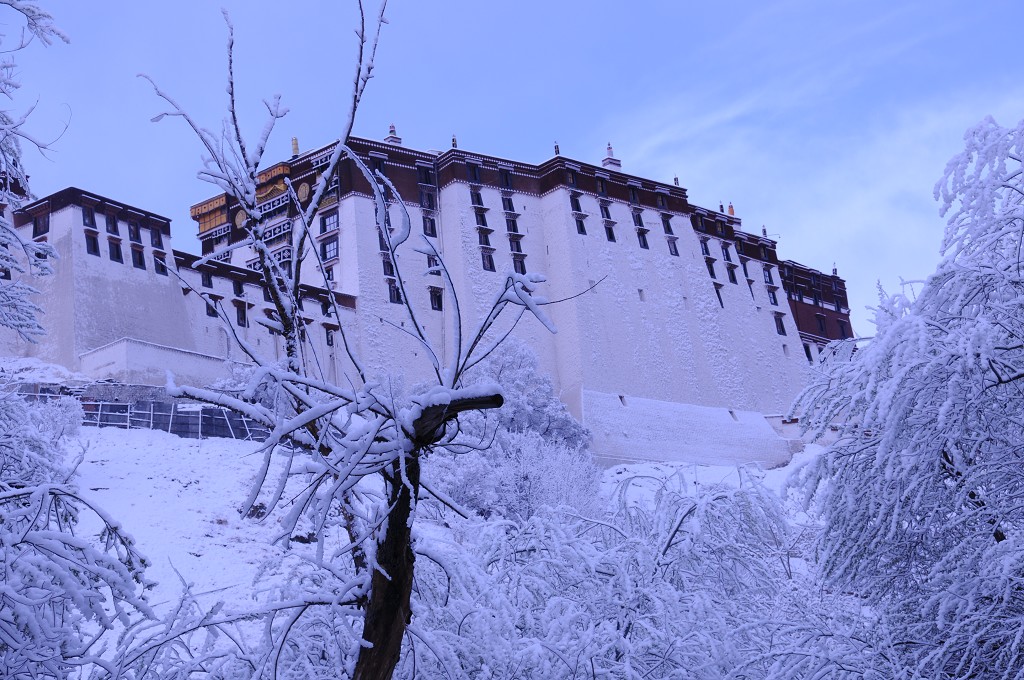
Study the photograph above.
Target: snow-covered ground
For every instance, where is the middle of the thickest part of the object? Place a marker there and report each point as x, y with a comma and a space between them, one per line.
179, 499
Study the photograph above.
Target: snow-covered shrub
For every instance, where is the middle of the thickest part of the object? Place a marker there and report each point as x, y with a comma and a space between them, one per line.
59, 589
31, 452
665, 587
529, 453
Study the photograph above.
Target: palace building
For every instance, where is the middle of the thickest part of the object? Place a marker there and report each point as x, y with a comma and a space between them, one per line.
675, 327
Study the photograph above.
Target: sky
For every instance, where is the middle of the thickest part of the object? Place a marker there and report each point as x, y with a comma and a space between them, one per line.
828, 123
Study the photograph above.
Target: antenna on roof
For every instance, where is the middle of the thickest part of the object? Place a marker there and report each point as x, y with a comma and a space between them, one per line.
455, 142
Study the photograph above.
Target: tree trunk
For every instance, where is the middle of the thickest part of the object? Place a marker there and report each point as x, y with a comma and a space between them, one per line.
388, 610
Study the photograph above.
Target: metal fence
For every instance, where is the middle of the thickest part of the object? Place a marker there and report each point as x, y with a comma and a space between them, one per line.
194, 421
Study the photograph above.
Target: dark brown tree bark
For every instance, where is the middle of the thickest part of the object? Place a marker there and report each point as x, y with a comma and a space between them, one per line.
388, 609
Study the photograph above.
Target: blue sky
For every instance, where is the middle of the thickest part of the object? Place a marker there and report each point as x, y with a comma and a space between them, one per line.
826, 122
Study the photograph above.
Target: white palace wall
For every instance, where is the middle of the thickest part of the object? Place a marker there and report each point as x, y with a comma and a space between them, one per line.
647, 353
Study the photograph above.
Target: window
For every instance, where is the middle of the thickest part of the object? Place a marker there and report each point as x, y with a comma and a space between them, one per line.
429, 227
40, 225
155, 238
506, 204
704, 247
481, 219
602, 186
773, 298
433, 265
842, 329
88, 217
476, 198
473, 172
515, 245
570, 177
817, 299
743, 263
487, 259
638, 219
389, 268
666, 223
328, 222
428, 200
378, 165
240, 316
134, 232
505, 177
111, 224
519, 265
719, 228
641, 236
768, 276
726, 255
425, 175
807, 351
780, 327
718, 294
329, 249
138, 258
394, 292
484, 237
238, 288
325, 308
661, 201
606, 214
711, 268
609, 232
210, 309
764, 252
207, 279
634, 195
698, 222
384, 243
159, 266
574, 203
328, 273
114, 249
92, 244
267, 297
512, 225
821, 325
581, 228
436, 299
673, 249
731, 271
329, 336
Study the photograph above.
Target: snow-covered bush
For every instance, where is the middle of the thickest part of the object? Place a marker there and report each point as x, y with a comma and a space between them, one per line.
664, 587
529, 453
920, 497
60, 589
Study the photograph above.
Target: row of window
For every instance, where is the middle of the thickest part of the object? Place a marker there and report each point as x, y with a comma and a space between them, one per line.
115, 253
242, 321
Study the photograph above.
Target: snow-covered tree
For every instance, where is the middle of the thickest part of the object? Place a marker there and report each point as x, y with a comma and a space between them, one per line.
921, 495
356, 446
18, 255
61, 587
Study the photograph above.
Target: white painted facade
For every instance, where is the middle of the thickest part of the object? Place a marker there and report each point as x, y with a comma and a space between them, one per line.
637, 325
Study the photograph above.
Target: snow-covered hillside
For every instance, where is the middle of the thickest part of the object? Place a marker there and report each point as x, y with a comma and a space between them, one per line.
179, 499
